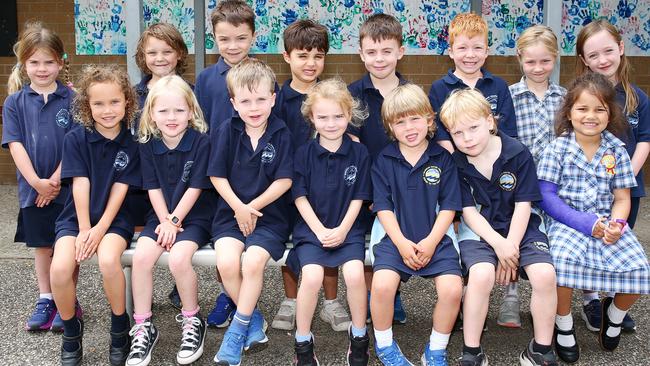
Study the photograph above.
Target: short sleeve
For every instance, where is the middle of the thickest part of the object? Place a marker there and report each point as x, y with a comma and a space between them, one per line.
527, 187
624, 175
73, 163
300, 174
506, 111
149, 176
643, 128
441, 131
467, 199
381, 196
131, 174
10, 123
549, 167
362, 187
199, 178
219, 146
284, 157
449, 197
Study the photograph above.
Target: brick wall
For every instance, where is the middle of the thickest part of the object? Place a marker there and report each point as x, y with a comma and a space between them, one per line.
423, 70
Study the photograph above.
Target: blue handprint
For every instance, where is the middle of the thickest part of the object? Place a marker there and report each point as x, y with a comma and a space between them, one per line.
116, 23
146, 13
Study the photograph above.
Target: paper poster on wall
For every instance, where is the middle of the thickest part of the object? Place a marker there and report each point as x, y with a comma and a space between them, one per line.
99, 27
507, 19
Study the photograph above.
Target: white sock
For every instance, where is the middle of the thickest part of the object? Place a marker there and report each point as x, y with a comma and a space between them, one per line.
292, 301
47, 295
328, 302
589, 296
616, 316
511, 290
438, 341
383, 338
565, 322
611, 294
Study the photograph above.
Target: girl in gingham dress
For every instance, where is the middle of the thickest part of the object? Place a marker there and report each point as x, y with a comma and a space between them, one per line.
585, 177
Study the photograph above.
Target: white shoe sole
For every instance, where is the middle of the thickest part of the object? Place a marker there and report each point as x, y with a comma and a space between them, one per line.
583, 315
337, 328
147, 359
196, 355
265, 326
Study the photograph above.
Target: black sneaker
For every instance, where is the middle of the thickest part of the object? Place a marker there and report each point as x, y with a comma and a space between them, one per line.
468, 359
117, 355
305, 353
531, 358
194, 329
566, 354
590, 313
175, 298
145, 337
628, 324
358, 349
606, 342
73, 358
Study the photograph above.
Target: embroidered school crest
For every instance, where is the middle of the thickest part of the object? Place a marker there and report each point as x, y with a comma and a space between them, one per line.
186, 171
268, 154
62, 118
350, 175
431, 175
493, 100
507, 181
121, 161
541, 246
633, 119
609, 162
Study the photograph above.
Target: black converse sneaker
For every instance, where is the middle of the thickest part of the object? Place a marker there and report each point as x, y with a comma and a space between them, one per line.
194, 329
305, 353
357, 349
144, 338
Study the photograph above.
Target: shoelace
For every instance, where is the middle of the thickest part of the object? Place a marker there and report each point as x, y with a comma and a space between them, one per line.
392, 358
190, 330
438, 358
140, 339
42, 307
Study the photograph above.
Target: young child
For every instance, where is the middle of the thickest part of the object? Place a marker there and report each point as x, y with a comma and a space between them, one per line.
35, 118
161, 51
233, 26
416, 196
331, 181
498, 233
100, 161
536, 99
174, 152
305, 46
585, 175
380, 48
468, 47
251, 166
601, 49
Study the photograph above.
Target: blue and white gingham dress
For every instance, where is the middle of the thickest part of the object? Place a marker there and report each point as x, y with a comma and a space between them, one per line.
584, 262
535, 117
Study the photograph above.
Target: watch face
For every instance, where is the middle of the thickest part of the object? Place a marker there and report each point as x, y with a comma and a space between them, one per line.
174, 220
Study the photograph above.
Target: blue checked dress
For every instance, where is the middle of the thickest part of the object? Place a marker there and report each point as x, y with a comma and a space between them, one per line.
584, 262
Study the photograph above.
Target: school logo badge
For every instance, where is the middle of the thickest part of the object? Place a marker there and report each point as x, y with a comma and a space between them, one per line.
541, 246
350, 175
493, 100
62, 118
186, 171
609, 162
507, 181
633, 119
268, 154
431, 175
121, 161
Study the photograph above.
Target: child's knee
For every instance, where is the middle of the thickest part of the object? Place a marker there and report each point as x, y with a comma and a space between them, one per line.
252, 266
110, 265
228, 268
542, 277
311, 280
482, 277
61, 273
383, 289
142, 261
450, 291
180, 264
354, 278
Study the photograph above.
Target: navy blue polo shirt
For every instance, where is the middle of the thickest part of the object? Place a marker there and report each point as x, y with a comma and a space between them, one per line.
174, 171
287, 107
40, 128
212, 93
639, 122
493, 88
250, 172
414, 192
330, 181
514, 179
142, 91
372, 133
104, 162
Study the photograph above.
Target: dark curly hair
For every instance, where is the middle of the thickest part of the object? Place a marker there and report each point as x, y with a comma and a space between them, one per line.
599, 86
92, 74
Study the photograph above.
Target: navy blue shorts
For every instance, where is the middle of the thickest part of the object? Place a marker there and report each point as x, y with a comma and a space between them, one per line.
313, 253
261, 237
35, 226
196, 233
444, 261
128, 236
138, 206
530, 252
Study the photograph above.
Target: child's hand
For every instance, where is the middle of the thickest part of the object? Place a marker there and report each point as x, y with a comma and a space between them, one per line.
246, 217
334, 237
508, 253
409, 252
79, 243
48, 188
504, 275
167, 234
599, 228
41, 201
613, 232
425, 251
91, 242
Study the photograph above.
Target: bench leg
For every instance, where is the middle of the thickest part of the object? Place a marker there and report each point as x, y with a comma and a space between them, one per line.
129, 292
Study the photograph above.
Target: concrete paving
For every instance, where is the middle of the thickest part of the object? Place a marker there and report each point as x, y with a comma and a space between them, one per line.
19, 347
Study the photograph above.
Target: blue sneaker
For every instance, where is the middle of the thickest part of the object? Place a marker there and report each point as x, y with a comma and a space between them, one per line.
392, 356
591, 314
256, 330
399, 315
231, 348
224, 310
57, 323
43, 315
434, 358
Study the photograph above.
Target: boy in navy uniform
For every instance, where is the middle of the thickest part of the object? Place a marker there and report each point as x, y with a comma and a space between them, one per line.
498, 232
305, 45
251, 166
468, 47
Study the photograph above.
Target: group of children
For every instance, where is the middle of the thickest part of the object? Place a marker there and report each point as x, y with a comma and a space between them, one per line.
541, 175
